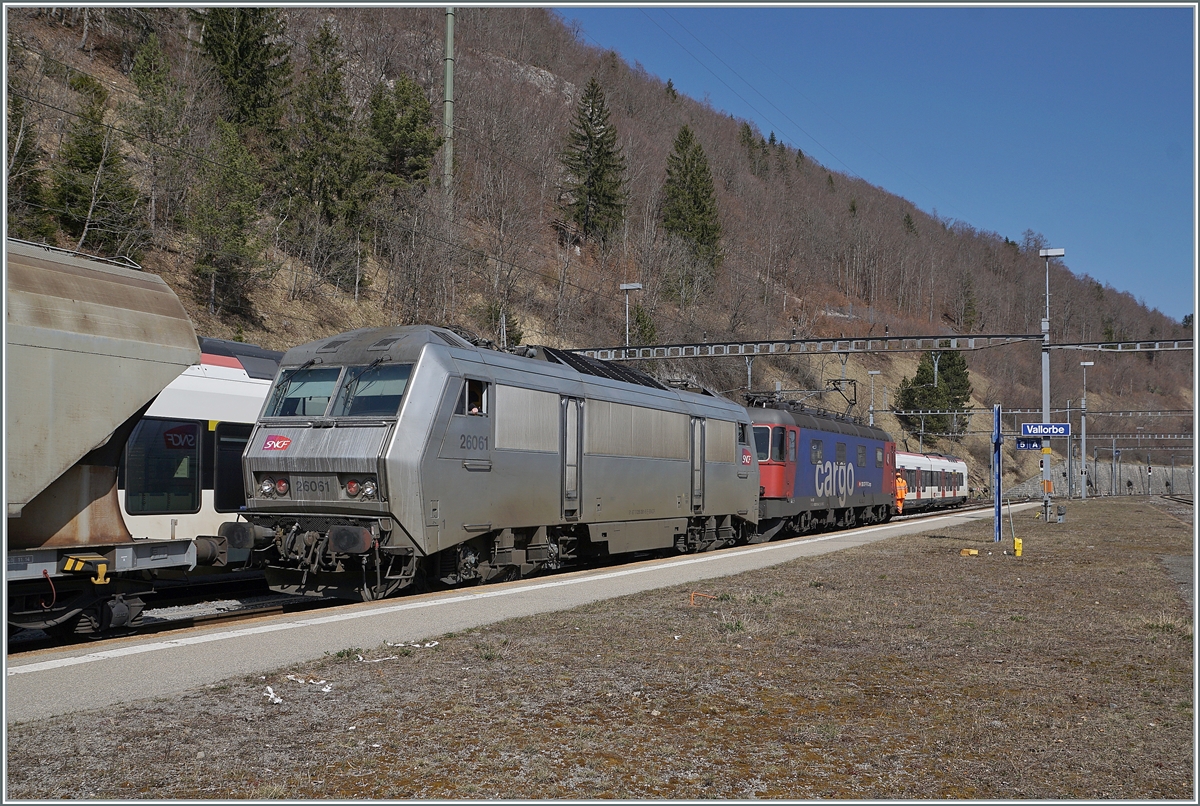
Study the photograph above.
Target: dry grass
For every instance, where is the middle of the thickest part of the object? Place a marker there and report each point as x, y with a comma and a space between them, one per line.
898, 669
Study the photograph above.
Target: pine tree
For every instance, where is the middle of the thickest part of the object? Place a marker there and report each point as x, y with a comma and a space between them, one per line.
327, 159
224, 208
28, 203
690, 201
96, 200
595, 188
405, 140
951, 392
157, 120
251, 61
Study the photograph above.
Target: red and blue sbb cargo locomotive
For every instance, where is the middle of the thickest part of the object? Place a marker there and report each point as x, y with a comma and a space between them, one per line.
820, 471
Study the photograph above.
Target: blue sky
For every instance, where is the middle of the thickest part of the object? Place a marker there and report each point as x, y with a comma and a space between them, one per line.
1078, 123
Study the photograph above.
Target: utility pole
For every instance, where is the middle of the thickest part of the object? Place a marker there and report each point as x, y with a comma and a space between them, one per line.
1071, 453
448, 107
1083, 432
1046, 483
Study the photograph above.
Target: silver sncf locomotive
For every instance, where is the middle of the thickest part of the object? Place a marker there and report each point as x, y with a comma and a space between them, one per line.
402, 456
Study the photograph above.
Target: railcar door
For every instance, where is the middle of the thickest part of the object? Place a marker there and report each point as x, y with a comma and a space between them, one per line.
571, 440
697, 464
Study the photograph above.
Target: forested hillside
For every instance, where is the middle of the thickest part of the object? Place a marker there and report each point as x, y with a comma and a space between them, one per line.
283, 170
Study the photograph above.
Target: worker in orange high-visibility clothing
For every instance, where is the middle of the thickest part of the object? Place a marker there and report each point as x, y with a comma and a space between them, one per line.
901, 491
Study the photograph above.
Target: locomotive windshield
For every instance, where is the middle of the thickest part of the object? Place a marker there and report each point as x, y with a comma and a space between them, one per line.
374, 390
303, 393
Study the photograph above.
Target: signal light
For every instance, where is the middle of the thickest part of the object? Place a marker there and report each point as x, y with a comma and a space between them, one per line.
281, 486
266, 488
369, 488
352, 488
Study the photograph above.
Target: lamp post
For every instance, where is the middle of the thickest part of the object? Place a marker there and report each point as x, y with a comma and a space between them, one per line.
1047, 254
872, 373
627, 287
1083, 430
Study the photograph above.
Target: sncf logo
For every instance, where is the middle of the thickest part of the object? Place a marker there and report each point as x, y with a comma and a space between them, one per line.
181, 437
746, 457
275, 442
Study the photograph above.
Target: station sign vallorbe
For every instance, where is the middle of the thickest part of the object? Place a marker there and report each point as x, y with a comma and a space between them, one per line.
1045, 429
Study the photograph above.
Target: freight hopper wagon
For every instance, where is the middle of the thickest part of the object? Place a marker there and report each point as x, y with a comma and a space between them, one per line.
90, 344
819, 471
406, 456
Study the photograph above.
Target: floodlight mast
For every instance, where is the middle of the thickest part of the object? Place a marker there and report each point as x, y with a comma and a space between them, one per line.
1047, 254
627, 287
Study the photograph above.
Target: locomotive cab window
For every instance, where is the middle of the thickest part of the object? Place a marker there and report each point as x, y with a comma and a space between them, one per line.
742, 437
162, 468
791, 446
840, 453
303, 393
374, 390
861, 458
762, 442
777, 444
879, 457
816, 452
473, 399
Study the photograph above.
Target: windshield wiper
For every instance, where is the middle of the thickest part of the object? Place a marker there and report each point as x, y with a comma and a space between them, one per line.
352, 383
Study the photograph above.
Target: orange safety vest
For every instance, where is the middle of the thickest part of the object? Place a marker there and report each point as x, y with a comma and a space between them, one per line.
901, 491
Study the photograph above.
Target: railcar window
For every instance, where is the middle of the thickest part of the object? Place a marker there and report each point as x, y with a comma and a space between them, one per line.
840, 453
861, 458
879, 457
777, 444
229, 491
473, 398
816, 452
162, 468
762, 442
372, 391
791, 446
303, 393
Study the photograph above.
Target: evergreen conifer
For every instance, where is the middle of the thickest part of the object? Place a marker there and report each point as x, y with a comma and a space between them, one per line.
950, 393
595, 188
405, 140
690, 200
224, 208
28, 213
95, 198
251, 60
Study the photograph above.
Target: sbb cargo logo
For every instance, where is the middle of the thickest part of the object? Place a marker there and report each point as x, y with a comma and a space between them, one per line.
276, 442
181, 437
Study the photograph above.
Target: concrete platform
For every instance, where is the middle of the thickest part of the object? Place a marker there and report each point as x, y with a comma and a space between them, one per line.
81, 677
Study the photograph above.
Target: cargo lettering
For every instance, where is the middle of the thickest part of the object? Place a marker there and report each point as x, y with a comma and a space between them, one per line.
834, 480
277, 442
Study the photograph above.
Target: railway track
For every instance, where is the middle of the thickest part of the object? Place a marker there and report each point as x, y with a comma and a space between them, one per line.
242, 599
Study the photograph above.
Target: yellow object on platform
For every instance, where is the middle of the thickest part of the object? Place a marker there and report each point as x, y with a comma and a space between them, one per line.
1017, 546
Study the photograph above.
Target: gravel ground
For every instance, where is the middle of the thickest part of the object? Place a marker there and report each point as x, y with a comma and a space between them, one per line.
900, 669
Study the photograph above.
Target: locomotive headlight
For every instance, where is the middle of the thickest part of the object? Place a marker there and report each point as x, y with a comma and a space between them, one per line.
369, 488
266, 488
281, 486
352, 488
